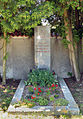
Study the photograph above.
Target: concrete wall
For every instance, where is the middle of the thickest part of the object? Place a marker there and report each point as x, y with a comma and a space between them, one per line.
80, 55
60, 59
21, 58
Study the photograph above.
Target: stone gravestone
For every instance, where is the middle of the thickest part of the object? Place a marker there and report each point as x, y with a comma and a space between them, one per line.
42, 47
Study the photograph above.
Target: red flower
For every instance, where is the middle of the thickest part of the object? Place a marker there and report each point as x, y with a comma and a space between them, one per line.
32, 97
39, 88
52, 85
38, 93
34, 88
56, 85
28, 99
49, 88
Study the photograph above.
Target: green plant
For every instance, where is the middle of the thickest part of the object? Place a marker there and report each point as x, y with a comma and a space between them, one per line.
56, 96
51, 98
57, 91
40, 77
69, 74
30, 89
42, 101
48, 92
27, 103
61, 102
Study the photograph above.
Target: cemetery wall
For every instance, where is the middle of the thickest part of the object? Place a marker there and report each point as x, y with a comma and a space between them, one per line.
21, 57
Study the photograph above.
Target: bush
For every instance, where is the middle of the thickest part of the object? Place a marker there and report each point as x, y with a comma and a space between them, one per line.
40, 77
61, 102
42, 101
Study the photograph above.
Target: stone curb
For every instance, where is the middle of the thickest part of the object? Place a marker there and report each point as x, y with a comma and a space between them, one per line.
18, 94
73, 107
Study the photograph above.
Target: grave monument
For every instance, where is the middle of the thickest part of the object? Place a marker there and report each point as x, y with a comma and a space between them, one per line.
42, 47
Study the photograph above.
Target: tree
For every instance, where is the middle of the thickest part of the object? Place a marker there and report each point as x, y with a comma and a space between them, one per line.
20, 14
69, 16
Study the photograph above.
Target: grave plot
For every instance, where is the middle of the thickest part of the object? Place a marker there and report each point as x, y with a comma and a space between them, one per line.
48, 97
42, 89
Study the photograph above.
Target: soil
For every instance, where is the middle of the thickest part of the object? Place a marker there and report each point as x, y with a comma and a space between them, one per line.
6, 92
76, 89
57, 91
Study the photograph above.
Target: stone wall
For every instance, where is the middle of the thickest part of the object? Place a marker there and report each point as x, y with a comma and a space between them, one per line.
21, 57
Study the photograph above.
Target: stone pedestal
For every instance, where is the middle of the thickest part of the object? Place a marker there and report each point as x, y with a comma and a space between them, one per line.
42, 47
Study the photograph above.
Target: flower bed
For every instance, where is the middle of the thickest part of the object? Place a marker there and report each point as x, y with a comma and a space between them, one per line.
42, 89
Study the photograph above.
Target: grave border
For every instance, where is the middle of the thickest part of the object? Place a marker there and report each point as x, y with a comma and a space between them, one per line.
71, 108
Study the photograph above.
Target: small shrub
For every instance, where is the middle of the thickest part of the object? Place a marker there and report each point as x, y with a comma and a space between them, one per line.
42, 101
40, 77
51, 98
61, 102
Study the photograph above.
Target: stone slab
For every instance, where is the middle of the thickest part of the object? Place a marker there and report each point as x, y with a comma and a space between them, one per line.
42, 47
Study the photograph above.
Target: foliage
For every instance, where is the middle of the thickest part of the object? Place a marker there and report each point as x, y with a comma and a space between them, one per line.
42, 101
5, 103
40, 77
69, 74
48, 92
22, 14
30, 89
75, 10
56, 96
25, 102
6, 94
51, 98
61, 102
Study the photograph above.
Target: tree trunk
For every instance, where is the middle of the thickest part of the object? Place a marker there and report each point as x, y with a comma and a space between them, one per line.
69, 37
4, 60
